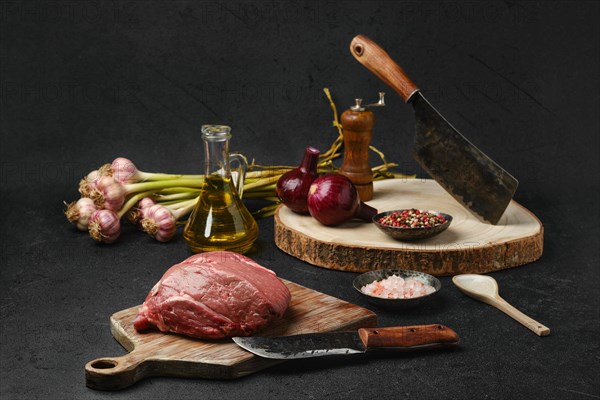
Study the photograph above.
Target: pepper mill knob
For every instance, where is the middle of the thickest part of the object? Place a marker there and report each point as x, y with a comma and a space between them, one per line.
358, 106
380, 103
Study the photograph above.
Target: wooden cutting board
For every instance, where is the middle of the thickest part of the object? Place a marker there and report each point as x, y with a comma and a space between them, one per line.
161, 354
467, 246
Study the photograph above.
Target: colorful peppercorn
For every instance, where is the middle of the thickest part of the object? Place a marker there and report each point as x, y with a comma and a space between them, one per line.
412, 218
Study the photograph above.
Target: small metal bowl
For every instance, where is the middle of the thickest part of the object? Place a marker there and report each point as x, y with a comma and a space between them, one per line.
408, 234
380, 274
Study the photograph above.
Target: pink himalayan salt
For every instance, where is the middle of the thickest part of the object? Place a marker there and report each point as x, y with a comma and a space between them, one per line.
395, 287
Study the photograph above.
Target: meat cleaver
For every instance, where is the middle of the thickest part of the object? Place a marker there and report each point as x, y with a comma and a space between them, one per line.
471, 177
336, 343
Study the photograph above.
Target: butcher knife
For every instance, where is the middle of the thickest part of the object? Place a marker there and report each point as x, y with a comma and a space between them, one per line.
470, 176
352, 342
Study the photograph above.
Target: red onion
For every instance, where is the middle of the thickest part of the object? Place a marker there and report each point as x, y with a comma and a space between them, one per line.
292, 187
104, 226
333, 199
80, 212
108, 194
159, 223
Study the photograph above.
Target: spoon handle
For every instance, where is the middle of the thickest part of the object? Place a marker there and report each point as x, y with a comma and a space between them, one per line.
528, 322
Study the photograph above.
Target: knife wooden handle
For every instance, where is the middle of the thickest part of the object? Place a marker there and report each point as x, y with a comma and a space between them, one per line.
407, 336
369, 54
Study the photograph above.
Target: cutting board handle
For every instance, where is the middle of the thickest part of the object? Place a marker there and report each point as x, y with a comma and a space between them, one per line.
114, 373
369, 54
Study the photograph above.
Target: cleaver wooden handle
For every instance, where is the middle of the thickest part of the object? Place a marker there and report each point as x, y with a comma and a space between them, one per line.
369, 54
408, 336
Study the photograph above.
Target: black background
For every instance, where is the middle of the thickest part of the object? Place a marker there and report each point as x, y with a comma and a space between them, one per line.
83, 82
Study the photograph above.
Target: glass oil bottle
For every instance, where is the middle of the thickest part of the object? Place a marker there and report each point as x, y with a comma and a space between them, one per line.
220, 220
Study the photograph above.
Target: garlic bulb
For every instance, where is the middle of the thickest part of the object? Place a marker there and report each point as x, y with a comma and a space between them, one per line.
124, 170
159, 223
104, 226
80, 211
108, 194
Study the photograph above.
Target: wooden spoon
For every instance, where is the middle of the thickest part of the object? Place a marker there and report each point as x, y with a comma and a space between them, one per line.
485, 288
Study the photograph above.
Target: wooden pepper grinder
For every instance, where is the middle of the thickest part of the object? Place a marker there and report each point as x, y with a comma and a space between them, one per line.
357, 124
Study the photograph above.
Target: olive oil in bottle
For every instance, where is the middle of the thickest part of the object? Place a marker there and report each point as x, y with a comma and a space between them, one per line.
220, 220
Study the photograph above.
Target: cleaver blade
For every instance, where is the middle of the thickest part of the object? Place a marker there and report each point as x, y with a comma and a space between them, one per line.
464, 171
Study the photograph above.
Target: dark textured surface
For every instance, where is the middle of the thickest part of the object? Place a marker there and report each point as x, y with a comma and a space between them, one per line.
85, 81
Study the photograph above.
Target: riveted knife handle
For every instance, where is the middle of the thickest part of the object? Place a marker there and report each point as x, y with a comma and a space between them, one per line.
369, 54
408, 336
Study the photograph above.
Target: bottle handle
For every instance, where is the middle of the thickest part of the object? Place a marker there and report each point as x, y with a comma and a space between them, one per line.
241, 171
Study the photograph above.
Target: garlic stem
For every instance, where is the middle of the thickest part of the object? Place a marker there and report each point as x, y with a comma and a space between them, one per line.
175, 205
175, 196
132, 202
271, 167
125, 171
155, 185
169, 203
263, 184
177, 189
267, 173
266, 211
260, 194
184, 210
155, 176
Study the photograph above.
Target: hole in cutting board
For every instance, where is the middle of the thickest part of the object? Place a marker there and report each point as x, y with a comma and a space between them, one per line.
104, 364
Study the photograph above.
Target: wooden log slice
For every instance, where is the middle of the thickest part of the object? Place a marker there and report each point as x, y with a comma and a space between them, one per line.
467, 246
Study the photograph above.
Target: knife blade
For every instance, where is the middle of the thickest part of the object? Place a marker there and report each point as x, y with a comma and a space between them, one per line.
351, 342
464, 171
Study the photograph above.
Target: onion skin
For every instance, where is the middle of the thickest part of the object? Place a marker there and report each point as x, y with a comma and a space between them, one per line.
293, 186
159, 223
333, 199
105, 226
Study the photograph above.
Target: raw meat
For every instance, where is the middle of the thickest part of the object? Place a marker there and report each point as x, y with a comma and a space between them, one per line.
214, 295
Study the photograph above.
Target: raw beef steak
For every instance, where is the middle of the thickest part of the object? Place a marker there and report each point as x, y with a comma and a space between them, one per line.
214, 295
